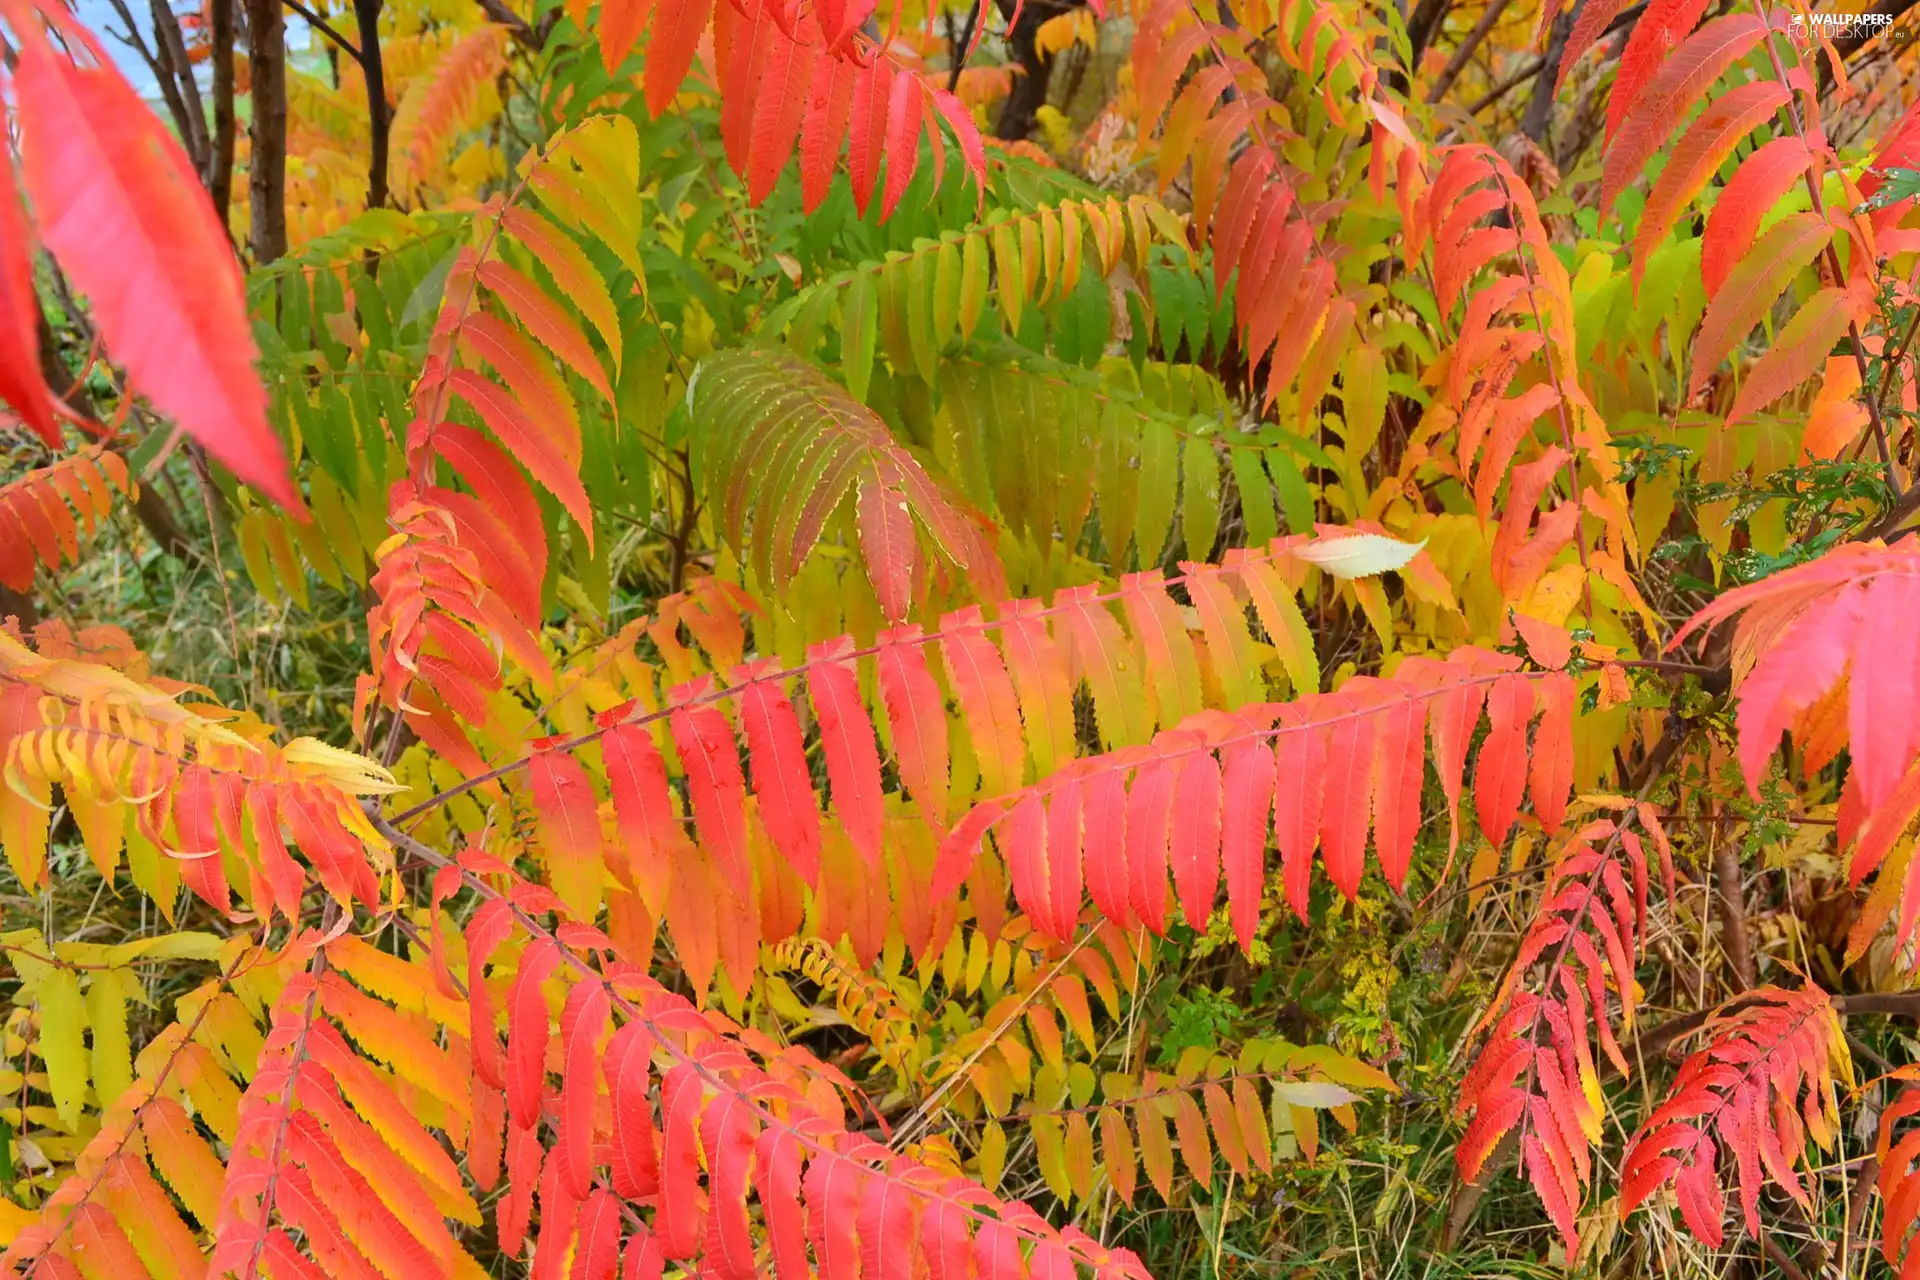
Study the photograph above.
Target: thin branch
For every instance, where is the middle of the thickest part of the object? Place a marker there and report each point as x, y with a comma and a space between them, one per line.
1507, 86
325, 28
497, 11
1464, 54
171, 46
220, 154
1831, 258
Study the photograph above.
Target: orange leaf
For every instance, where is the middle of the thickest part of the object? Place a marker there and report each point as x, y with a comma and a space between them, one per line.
1705, 146
1799, 350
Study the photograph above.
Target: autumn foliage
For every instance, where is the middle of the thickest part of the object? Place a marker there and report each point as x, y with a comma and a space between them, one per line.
727, 637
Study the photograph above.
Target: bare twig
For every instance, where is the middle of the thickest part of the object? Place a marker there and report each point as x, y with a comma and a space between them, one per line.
1464, 54
1730, 894
324, 27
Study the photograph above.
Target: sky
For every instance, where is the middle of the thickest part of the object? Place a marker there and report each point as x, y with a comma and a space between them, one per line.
102, 20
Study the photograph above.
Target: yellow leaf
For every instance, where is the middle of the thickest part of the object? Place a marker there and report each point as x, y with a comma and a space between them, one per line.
13, 1220
993, 1155
1049, 1151
63, 1043
107, 1014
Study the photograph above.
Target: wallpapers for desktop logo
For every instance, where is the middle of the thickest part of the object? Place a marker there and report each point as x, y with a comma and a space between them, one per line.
1804, 28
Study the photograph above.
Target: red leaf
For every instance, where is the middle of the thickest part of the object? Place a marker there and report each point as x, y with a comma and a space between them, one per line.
643, 1260
1702, 1205
484, 934
1549, 1181
1592, 19
777, 753
1501, 771
1683, 75
987, 700
1343, 819
1399, 771
1887, 644
903, 140
681, 1219
846, 739
20, 382
728, 1132
118, 204
872, 91
1064, 883
1663, 25
944, 1241
1761, 180
1196, 837
598, 1252
1798, 669
1023, 841
558, 1214
886, 1229
1300, 773
541, 448
1753, 287
917, 717
199, 852
636, 1159
642, 802
528, 1033
1104, 849
780, 105
996, 1253
620, 24
777, 1166
1550, 767
1149, 809
965, 132
569, 831
1702, 149
581, 1023
1249, 784
961, 848
531, 305
1246, 195
670, 50
887, 540
822, 133
832, 1192
711, 758
524, 1154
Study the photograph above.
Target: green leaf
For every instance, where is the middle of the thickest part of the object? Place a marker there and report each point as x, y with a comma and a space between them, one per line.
1295, 495
1199, 496
1006, 261
1117, 477
1256, 495
946, 294
857, 321
1159, 476
973, 284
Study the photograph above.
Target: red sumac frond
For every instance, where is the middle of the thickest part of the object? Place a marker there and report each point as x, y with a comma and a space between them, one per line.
1762, 1085
48, 515
1536, 1072
1359, 751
